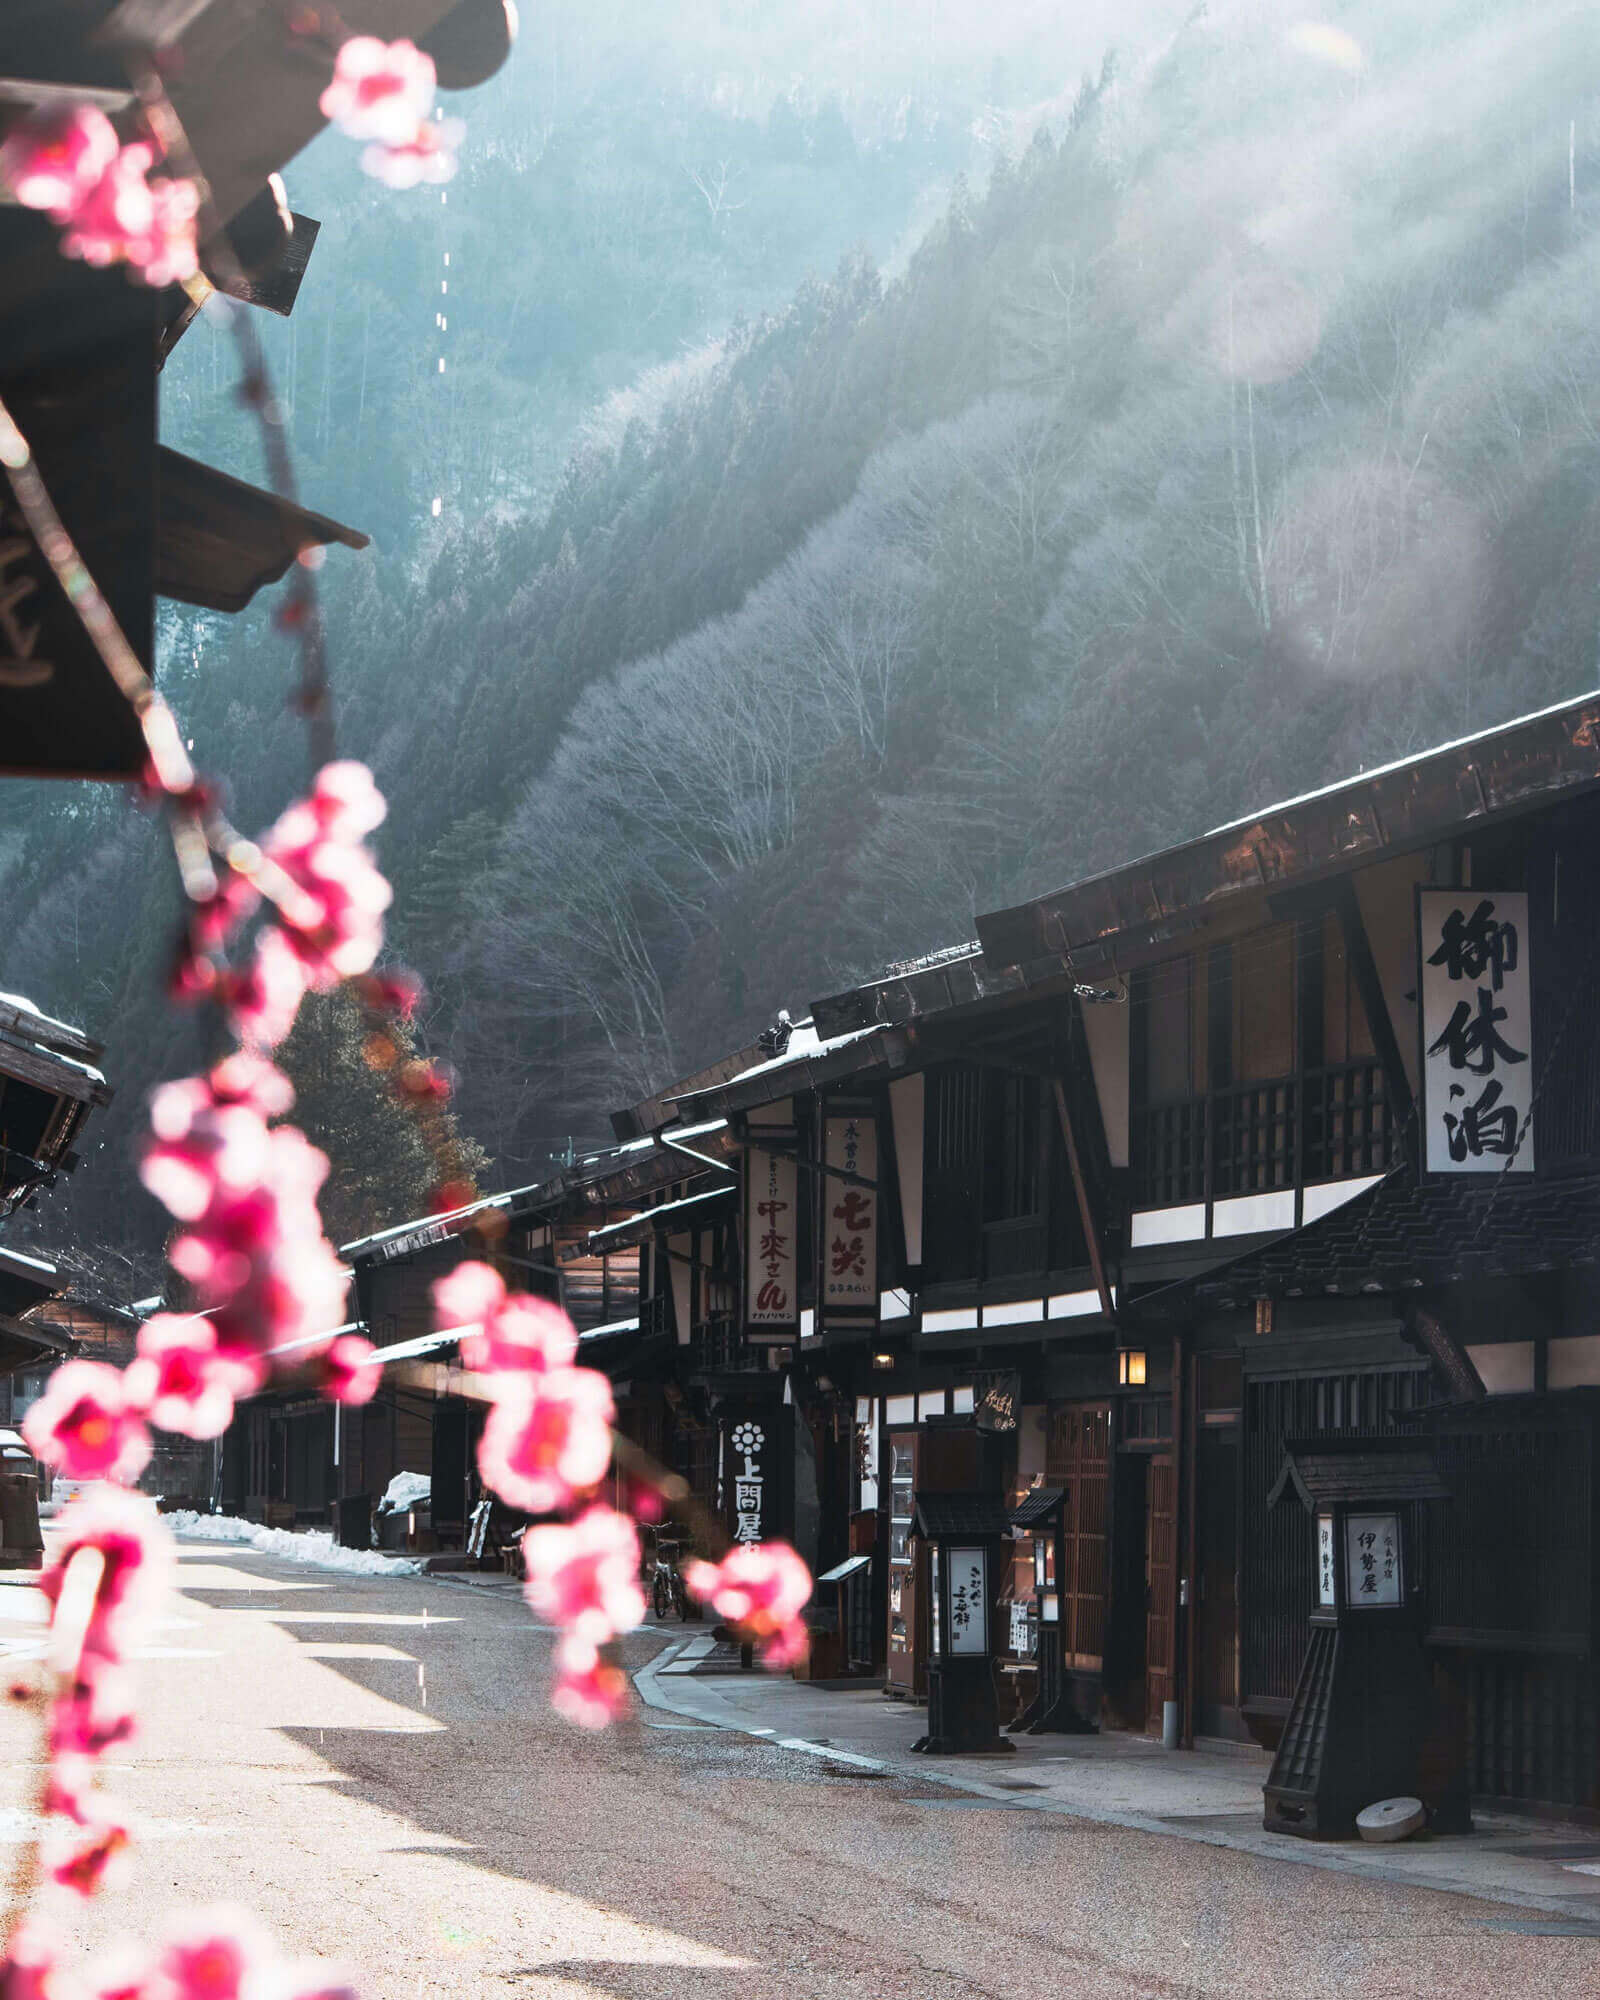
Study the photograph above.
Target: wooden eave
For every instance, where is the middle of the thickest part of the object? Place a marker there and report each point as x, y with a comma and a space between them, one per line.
220, 540
1443, 794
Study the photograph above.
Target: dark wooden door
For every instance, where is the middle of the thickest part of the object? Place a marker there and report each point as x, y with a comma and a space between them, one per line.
1160, 1574
1078, 1459
1217, 1611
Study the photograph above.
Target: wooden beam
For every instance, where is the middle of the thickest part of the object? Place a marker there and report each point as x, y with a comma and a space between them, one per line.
1449, 1356
1364, 967
1085, 1208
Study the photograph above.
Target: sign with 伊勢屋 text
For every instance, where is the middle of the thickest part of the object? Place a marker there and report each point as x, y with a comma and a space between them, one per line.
1372, 1560
1477, 1031
850, 1213
771, 1243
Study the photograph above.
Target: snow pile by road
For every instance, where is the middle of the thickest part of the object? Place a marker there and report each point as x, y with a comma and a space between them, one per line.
312, 1545
405, 1491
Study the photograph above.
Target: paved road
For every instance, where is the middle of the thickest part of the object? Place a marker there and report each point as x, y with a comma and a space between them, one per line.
370, 1764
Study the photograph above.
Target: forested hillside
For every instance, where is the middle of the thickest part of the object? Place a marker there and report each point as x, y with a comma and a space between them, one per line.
1241, 428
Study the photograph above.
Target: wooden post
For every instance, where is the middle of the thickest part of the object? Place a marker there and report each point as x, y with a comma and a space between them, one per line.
1080, 1189
1364, 969
1180, 1469
1191, 1543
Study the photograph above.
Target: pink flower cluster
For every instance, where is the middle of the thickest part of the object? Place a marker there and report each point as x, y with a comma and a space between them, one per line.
760, 1588
583, 1575
92, 1708
253, 1252
382, 92
547, 1441
334, 931
215, 1954
545, 1447
69, 164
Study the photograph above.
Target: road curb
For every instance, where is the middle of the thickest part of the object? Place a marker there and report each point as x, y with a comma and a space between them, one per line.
680, 1695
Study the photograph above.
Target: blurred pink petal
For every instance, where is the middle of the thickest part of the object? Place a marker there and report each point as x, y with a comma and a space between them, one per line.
548, 1438
380, 90
85, 1426
588, 1691
178, 1378
53, 158
350, 1375
584, 1575
760, 1588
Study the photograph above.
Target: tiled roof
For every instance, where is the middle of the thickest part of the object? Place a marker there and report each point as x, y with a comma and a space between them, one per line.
1407, 1233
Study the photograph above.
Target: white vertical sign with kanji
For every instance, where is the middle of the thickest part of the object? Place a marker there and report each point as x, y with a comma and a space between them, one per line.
1477, 1031
771, 1241
850, 1213
746, 1441
1325, 1559
969, 1601
1372, 1560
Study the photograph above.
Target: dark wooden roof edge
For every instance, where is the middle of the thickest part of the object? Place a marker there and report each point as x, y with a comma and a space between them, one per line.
1403, 806
1036, 1504
1325, 1470
633, 1121
220, 540
40, 1339
904, 998
590, 1183
941, 1515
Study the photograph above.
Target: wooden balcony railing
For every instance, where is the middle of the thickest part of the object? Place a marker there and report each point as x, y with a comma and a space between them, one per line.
1326, 1124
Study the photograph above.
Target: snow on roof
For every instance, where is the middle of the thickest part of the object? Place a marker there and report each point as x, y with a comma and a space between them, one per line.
611, 1327
1386, 770
29, 1267
804, 1043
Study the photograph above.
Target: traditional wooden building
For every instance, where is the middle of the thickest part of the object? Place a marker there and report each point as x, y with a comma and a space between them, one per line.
1287, 1134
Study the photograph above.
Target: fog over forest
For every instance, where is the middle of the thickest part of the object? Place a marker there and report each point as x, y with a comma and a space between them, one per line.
890, 460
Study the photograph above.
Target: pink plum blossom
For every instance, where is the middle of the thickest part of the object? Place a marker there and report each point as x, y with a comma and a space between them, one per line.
588, 1690
512, 1331
547, 1439
760, 1588
32, 1963
179, 1379
54, 158
69, 164
86, 1426
123, 1973
80, 1857
584, 1575
319, 844
263, 999
349, 1372
380, 90
216, 1954
91, 1717
137, 1551
128, 218
429, 155
254, 1253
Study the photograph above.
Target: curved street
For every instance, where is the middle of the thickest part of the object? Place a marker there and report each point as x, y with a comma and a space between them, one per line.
369, 1763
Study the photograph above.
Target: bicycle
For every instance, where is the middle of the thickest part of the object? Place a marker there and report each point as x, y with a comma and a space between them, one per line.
667, 1592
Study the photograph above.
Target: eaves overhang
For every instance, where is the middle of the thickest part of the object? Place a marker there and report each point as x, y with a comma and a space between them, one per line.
1442, 794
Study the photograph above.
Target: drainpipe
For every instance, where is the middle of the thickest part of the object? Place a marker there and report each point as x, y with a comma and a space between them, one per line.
1171, 1709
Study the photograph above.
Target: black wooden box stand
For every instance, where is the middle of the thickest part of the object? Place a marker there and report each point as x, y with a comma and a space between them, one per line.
1356, 1724
963, 1712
